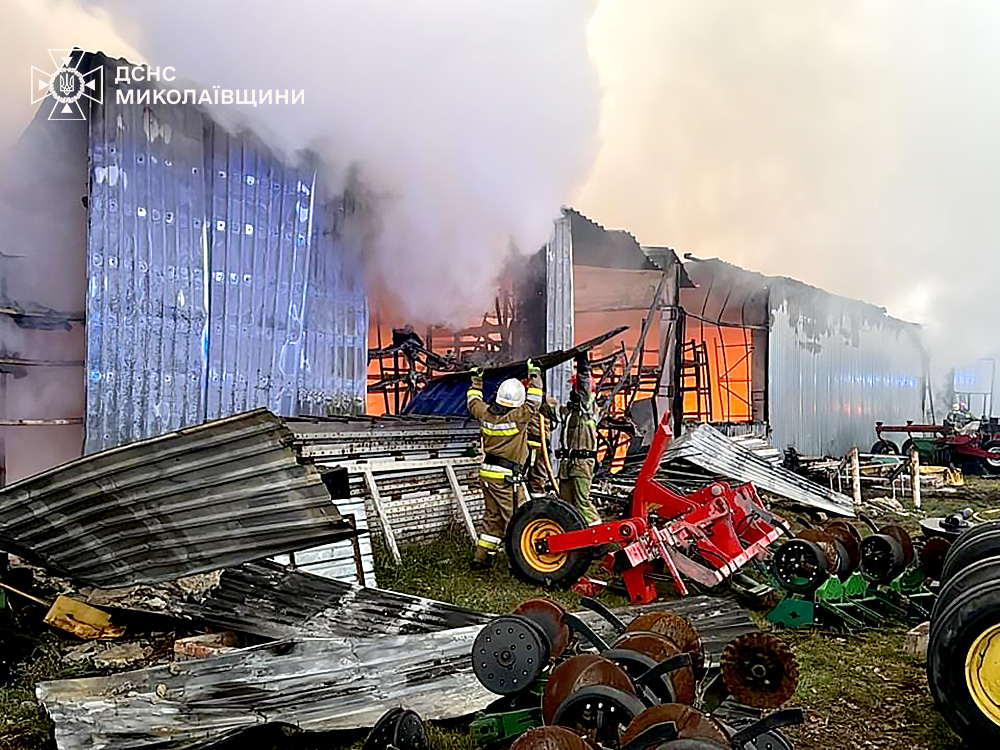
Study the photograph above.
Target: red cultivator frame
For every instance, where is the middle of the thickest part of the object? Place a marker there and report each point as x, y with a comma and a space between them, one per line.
706, 536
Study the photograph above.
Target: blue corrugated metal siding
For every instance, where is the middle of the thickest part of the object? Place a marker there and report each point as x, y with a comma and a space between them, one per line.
219, 279
835, 367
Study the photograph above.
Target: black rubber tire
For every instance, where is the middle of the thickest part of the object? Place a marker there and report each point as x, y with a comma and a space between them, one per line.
564, 515
975, 574
977, 543
958, 626
907, 447
885, 447
989, 467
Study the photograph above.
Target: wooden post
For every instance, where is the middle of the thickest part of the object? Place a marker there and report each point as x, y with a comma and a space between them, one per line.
456, 488
915, 475
856, 475
390, 537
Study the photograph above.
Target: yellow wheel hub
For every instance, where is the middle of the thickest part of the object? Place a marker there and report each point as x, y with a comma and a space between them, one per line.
982, 673
535, 531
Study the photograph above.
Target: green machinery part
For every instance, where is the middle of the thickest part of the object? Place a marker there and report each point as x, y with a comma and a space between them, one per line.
487, 729
857, 603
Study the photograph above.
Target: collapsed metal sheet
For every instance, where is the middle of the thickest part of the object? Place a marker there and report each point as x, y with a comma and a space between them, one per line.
317, 684
709, 449
188, 502
272, 601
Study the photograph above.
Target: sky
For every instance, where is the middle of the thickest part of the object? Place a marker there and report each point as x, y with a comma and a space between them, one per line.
849, 144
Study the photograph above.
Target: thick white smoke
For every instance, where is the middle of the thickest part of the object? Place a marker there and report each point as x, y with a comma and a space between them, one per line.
851, 144
471, 122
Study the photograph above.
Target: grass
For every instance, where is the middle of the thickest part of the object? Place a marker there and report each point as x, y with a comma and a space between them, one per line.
863, 690
24, 724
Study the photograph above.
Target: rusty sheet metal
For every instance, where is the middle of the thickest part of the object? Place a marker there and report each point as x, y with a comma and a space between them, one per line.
188, 502
709, 449
317, 684
272, 601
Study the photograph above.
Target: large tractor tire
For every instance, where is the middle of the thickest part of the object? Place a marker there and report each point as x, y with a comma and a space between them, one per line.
963, 664
972, 575
975, 544
884, 447
533, 522
992, 465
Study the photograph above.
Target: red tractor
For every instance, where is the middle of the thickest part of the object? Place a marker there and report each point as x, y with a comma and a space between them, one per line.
976, 445
705, 536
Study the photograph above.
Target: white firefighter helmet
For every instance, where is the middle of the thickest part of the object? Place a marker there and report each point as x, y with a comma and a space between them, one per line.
510, 393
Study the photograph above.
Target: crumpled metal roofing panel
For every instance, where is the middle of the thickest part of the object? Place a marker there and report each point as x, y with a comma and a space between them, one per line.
219, 278
709, 449
273, 601
191, 501
318, 684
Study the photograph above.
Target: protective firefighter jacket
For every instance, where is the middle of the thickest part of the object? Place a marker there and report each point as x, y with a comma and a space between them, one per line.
579, 426
504, 431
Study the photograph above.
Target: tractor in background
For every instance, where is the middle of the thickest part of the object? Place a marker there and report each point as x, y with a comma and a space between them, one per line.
975, 447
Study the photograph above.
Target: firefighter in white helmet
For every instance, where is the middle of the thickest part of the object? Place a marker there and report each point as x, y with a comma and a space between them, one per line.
504, 428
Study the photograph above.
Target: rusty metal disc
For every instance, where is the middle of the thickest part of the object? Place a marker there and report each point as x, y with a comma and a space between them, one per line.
549, 615
550, 738
760, 670
691, 724
660, 648
580, 671
676, 628
826, 543
850, 528
932, 556
902, 536
849, 541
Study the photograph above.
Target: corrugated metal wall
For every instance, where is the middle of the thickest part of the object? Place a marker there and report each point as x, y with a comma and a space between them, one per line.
559, 305
835, 367
219, 279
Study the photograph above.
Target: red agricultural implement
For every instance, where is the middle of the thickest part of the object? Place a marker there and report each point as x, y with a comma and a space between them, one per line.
705, 536
976, 444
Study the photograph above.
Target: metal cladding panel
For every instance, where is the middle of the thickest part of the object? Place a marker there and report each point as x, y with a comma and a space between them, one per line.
219, 278
835, 367
709, 449
187, 502
271, 601
147, 304
559, 305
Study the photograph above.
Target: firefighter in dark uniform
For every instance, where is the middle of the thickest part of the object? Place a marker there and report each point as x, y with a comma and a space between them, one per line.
504, 428
545, 419
578, 453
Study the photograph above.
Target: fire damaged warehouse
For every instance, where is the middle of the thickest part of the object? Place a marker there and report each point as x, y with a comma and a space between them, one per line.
387, 417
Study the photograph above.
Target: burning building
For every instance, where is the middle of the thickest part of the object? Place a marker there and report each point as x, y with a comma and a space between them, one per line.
177, 272
806, 368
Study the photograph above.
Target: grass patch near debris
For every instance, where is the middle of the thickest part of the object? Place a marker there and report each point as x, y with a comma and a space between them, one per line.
863, 690
442, 570
24, 725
